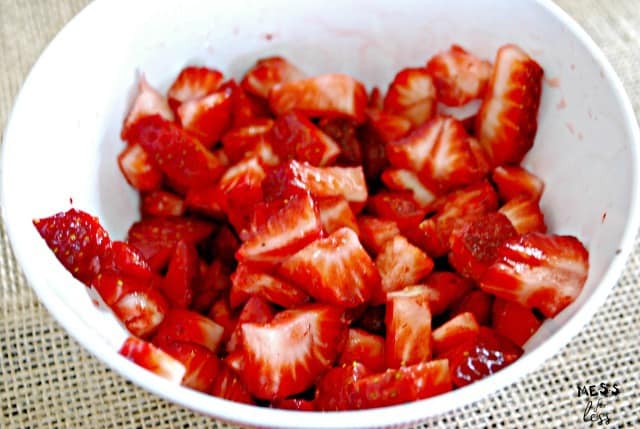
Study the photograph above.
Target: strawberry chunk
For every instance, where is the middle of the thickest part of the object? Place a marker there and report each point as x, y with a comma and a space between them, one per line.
193, 83
211, 282
227, 385
374, 232
309, 334
223, 316
540, 271
247, 282
255, 310
225, 245
201, 364
458, 75
153, 359
206, 200
365, 348
412, 95
208, 117
477, 303
344, 134
148, 102
162, 203
78, 241
246, 107
178, 283
514, 321
237, 141
336, 213
328, 95
457, 330
514, 181
445, 289
240, 189
139, 168
399, 207
269, 72
508, 118
406, 180
295, 404
525, 215
125, 259
141, 308
387, 126
189, 327
336, 389
335, 270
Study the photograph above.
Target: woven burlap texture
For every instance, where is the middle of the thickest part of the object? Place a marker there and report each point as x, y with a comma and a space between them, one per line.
47, 380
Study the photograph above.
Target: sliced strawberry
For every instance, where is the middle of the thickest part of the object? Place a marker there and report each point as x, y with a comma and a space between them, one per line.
148, 102
111, 285
139, 168
372, 320
376, 100
184, 160
478, 358
540, 271
310, 335
459, 76
387, 126
246, 107
125, 259
343, 132
241, 189
477, 303
225, 245
406, 180
295, 404
401, 264
269, 72
379, 129
248, 281
202, 366
141, 308
162, 203
206, 200
193, 83
515, 181
189, 327
296, 137
405, 384
78, 241
508, 118
227, 385
153, 359
514, 321
336, 389
335, 270
412, 95
336, 213
397, 206
408, 321
457, 330
183, 269
365, 348
237, 141
474, 243
212, 281
328, 95
256, 310
525, 215
445, 289
208, 117
375, 232
480, 155
222, 315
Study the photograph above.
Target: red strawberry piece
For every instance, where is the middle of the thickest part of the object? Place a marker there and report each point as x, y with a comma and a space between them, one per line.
285, 232
515, 181
247, 282
376, 100
211, 282
364, 347
156, 238
208, 117
202, 366
222, 315
397, 206
406, 180
256, 310
264, 151
343, 132
294, 404
111, 286
189, 327
480, 155
193, 83
296, 137
401, 264
153, 359
408, 321
336, 213
269, 72
246, 107
375, 232
183, 269
141, 307
457, 330
445, 289
412, 95
525, 215
206, 200
477, 303
540, 271
329, 95
237, 141
336, 389
125, 259
78, 241
459, 76
478, 358
335, 270
162, 203
287, 355
405, 384
148, 102
508, 118
241, 188
139, 168
474, 243
227, 385
514, 321
225, 245
387, 126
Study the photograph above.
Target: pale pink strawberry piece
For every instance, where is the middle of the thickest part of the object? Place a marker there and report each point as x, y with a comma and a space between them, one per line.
412, 95
457, 330
139, 168
189, 327
153, 359
148, 102
515, 181
269, 72
398, 179
208, 117
524, 214
335, 213
193, 83
247, 281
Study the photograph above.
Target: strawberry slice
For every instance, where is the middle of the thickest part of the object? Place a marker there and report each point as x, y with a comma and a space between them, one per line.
148, 356
474, 243
514, 321
246, 107
205, 200
405, 384
225, 245
525, 215
328, 95
335, 270
365, 348
477, 303
336, 389
296, 137
247, 281
387, 126
208, 117
184, 160
479, 154
295, 404
344, 134
397, 206
193, 83
183, 269
401, 264
540, 271
201, 364
237, 141
457, 330
398, 179
376, 100
508, 118
515, 181
408, 320
148, 102
222, 315
188, 327
256, 310
140, 307
227, 385
269, 72
240, 189
78, 241
375, 232
487, 354
213, 279
139, 168
112, 286
162, 203
336, 213
310, 335
445, 289
412, 95
458, 75
125, 259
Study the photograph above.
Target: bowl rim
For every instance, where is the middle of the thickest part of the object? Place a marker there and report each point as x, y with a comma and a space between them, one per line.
409, 412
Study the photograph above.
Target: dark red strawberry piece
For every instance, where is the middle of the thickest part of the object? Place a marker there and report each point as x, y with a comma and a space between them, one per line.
525, 215
247, 281
335, 213
183, 270
202, 366
269, 72
372, 320
148, 102
365, 348
336, 389
213, 279
193, 83
375, 232
344, 134
139, 168
148, 356
162, 203
514, 321
514, 181
188, 327
412, 95
445, 289
225, 245
457, 330
477, 303
295, 404
208, 117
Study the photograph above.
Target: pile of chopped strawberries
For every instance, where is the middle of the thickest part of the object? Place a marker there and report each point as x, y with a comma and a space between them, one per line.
304, 244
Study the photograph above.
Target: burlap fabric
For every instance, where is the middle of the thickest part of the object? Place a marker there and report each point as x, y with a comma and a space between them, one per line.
48, 380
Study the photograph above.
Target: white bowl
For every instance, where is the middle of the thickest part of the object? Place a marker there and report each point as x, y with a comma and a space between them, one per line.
63, 137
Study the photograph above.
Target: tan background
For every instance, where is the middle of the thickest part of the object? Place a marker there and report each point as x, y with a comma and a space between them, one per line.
48, 380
